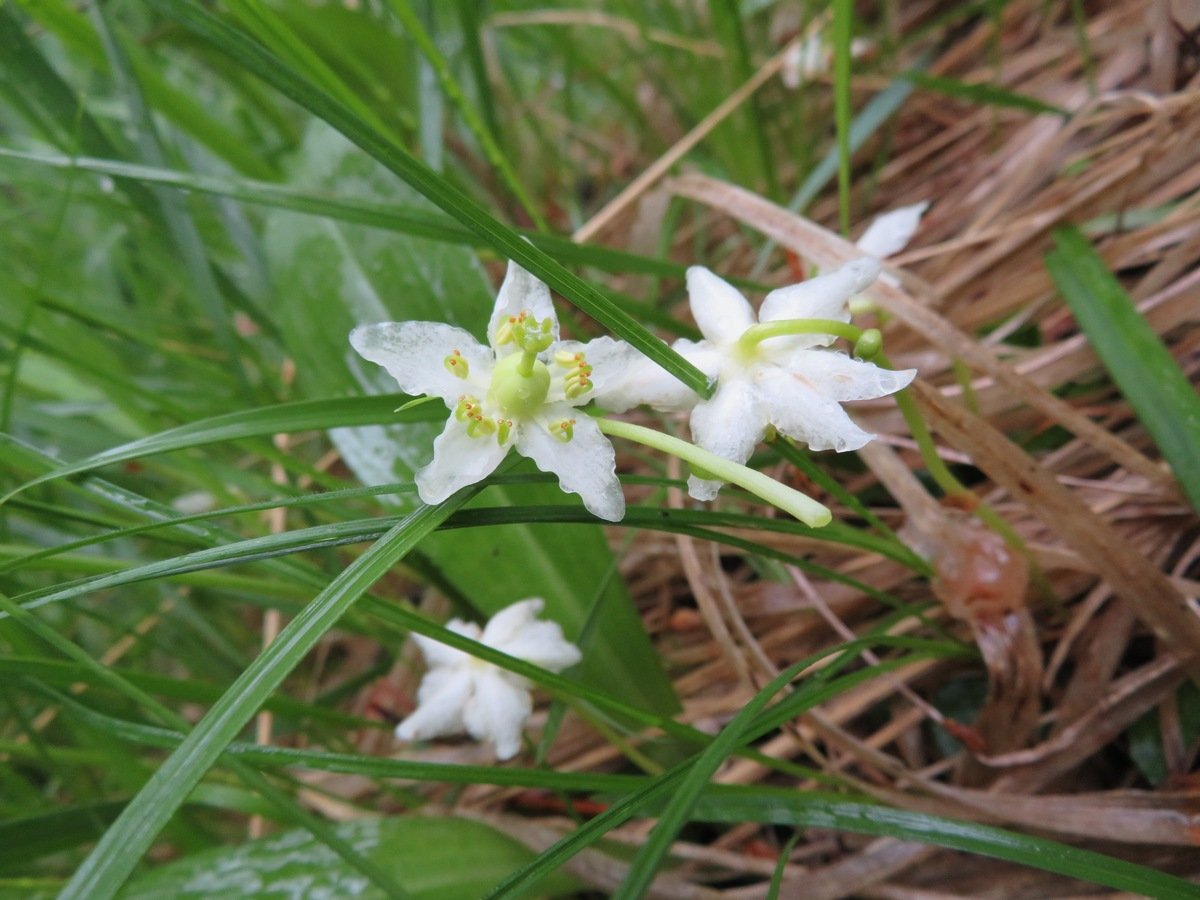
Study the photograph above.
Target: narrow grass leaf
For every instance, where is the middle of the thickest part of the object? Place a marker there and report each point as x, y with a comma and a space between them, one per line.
268, 420
984, 94
1139, 363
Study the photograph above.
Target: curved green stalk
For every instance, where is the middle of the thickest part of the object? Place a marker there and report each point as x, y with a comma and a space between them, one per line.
791, 501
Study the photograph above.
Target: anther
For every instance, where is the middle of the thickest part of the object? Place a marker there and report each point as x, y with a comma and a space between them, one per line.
480, 426
467, 407
564, 429
456, 365
503, 430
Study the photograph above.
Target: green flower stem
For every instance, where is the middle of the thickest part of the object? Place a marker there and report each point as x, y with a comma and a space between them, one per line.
756, 334
791, 501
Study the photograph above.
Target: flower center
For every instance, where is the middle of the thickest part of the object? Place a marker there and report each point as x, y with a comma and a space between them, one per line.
519, 385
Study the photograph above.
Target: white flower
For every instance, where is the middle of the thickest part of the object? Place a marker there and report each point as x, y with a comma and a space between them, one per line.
461, 694
521, 391
891, 231
788, 381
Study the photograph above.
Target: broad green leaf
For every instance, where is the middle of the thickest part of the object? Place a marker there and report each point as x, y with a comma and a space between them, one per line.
438, 858
1159, 392
331, 277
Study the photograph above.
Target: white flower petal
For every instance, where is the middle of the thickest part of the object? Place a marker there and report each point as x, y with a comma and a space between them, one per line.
504, 625
585, 465
729, 425
839, 377
623, 378
520, 291
891, 232
497, 711
823, 297
719, 308
438, 654
458, 460
414, 353
800, 411
441, 698
543, 644
704, 355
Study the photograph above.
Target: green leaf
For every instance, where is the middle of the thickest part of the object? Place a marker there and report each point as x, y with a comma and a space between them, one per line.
1143, 369
424, 854
337, 276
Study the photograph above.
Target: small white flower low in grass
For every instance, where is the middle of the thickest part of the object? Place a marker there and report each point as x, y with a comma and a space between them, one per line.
777, 370
520, 391
461, 694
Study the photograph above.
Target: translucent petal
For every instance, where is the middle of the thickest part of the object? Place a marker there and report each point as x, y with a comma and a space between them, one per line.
458, 460
801, 412
414, 353
496, 711
520, 291
840, 377
729, 425
438, 654
508, 622
891, 232
624, 378
585, 465
719, 308
823, 297
442, 697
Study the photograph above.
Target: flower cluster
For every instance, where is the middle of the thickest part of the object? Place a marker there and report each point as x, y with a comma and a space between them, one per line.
523, 390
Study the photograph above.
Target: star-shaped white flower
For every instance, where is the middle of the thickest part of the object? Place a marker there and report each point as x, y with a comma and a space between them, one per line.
521, 391
791, 382
461, 694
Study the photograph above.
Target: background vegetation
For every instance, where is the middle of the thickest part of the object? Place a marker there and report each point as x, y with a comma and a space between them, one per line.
211, 553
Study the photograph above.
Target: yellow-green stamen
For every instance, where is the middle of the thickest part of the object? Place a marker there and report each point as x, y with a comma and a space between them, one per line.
456, 365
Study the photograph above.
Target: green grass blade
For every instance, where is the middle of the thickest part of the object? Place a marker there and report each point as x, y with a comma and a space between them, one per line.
123, 845
653, 852
418, 221
416, 32
985, 94
285, 417
1142, 368
180, 224
843, 35
817, 810
257, 59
